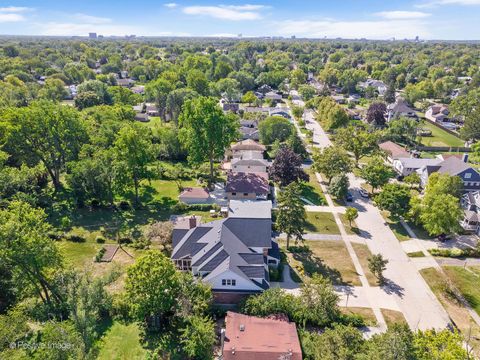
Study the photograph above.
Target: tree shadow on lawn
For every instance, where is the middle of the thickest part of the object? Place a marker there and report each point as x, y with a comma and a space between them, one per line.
313, 264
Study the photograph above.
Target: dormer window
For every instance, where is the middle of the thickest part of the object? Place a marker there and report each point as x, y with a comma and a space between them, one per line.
468, 175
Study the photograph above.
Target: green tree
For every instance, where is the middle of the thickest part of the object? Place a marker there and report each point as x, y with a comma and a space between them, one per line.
339, 185
158, 91
441, 345
99, 88
332, 161
206, 131
291, 212
133, 152
377, 265
249, 98
357, 140
198, 337
62, 342
26, 249
45, 132
395, 344
413, 179
307, 92
394, 198
198, 82
351, 214
377, 173
54, 89
275, 128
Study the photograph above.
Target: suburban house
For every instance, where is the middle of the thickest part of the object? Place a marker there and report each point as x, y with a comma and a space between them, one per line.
232, 255
229, 105
249, 338
453, 166
250, 146
249, 186
279, 112
378, 85
400, 109
249, 129
393, 151
247, 164
194, 195
407, 165
471, 207
128, 83
437, 113
272, 95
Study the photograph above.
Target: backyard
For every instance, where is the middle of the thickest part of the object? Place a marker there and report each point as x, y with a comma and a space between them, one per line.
312, 191
439, 137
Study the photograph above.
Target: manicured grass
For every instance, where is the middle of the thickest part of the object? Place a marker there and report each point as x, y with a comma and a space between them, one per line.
416, 254
396, 227
328, 258
161, 190
393, 317
438, 283
366, 313
439, 137
122, 342
351, 230
312, 190
78, 254
467, 281
420, 231
363, 253
322, 223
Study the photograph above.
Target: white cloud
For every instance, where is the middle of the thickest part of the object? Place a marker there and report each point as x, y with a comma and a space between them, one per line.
11, 18
402, 15
15, 9
232, 12
170, 5
381, 29
53, 28
89, 19
434, 3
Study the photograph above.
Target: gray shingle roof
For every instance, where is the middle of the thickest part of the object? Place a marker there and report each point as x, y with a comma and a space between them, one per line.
252, 232
215, 261
257, 272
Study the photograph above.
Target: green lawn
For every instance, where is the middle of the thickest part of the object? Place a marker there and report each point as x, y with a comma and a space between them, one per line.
396, 227
328, 258
393, 317
351, 230
467, 281
363, 253
312, 190
78, 254
439, 137
416, 254
322, 223
121, 342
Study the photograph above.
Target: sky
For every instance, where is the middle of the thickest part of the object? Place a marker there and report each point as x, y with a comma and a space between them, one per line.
371, 19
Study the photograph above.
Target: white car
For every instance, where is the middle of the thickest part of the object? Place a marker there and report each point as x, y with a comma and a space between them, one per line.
364, 193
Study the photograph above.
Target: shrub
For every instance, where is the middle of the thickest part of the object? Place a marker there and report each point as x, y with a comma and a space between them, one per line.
125, 240
100, 254
100, 239
124, 205
76, 238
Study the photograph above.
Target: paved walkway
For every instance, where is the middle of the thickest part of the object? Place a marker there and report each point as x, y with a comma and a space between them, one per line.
315, 236
337, 209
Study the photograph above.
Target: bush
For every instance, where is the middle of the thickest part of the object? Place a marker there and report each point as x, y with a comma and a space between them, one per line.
75, 238
124, 205
100, 239
275, 273
100, 254
455, 253
355, 320
125, 240
55, 235
179, 207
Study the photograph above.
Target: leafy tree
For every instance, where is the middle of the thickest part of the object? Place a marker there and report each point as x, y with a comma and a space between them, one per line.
297, 111
297, 78
402, 130
394, 198
45, 132
471, 125
351, 214
63, 342
275, 128
412, 179
442, 345
160, 233
228, 89
389, 95
377, 265
272, 301
376, 114
395, 344
357, 140
287, 167
198, 337
206, 131
175, 101
133, 152
158, 91
97, 87
87, 99
54, 89
291, 212
249, 98
26, 249
198, 82
339, 185
332, 161
307, 92
124, 96
296, 144
377, 173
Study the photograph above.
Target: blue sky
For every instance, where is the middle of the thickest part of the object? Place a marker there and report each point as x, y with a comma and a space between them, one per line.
373, 19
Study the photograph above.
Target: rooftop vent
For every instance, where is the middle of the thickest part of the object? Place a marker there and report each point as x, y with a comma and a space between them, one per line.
242, 327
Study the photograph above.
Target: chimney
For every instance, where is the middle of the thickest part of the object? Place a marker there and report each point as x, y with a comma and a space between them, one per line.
192, 222
465, 157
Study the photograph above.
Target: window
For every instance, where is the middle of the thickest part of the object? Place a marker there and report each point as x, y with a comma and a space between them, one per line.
468, 175
229, 282
224, 282
234, 282
245, 194
234, 194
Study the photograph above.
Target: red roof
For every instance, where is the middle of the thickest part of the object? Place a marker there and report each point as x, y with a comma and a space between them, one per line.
394, 150
250, 337
195, 192
248, 182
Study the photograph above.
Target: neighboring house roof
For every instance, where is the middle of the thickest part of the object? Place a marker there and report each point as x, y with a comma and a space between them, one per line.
249, 162
249, 133
400, 107
195, 193
273, 95
454, 166
415, 163
250, 337
241, 182
248, 144
394, 150
249, 208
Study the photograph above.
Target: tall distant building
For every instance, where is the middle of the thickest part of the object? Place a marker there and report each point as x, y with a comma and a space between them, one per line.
92, 35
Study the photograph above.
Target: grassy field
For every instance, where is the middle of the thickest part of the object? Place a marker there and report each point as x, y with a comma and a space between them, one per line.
312, 190
328, 258
322, 223
121, 342
351, 230
467, 281
416, 254
396, 227
438, 282
363, 253
393, 317
366, 313
439, 137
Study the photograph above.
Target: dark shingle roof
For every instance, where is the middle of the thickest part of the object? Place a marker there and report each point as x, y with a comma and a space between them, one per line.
253, 271
253, 258
187, 247
208, 254
247, 183
213, 263
252, 232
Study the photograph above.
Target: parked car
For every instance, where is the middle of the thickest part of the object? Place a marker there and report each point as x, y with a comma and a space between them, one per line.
364, 193
349, 196
443, 237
